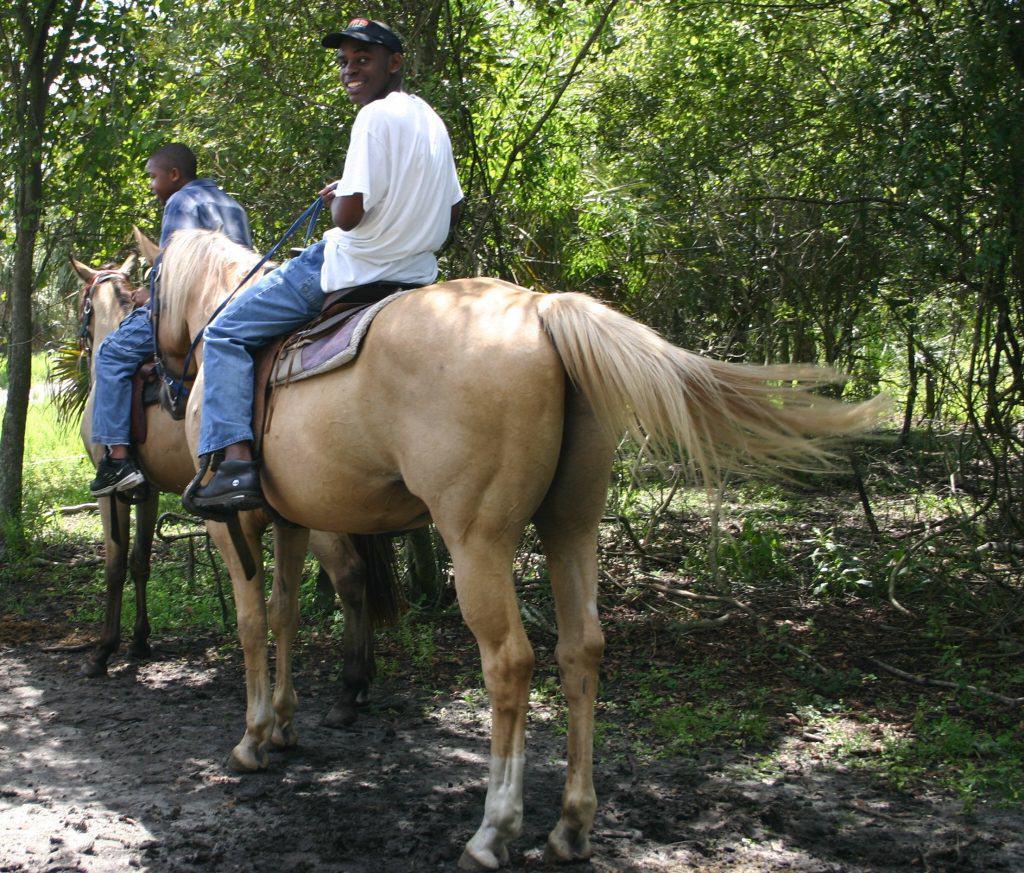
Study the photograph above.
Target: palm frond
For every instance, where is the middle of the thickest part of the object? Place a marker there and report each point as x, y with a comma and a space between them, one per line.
69, 380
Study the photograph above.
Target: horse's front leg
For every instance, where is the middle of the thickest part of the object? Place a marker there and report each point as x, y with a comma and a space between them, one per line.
116, 516
251, 752
289, 554
139, 565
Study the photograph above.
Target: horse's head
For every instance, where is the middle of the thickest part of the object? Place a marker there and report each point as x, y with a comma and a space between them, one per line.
104, 298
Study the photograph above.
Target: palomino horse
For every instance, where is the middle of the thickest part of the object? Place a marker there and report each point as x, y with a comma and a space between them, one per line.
104, 300
484, 406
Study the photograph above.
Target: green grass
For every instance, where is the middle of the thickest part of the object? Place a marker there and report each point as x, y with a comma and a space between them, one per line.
56, 470
40, 368
57, 473
971, 760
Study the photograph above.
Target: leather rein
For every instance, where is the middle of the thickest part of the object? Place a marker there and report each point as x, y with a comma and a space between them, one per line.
173, 390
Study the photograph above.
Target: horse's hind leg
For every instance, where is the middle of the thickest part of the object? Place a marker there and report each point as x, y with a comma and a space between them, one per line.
483, 582
289, 553
116, 516
567, 523
250, 754
339, 559
139, 565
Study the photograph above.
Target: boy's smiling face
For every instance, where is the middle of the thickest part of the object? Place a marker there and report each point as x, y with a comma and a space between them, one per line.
366, 70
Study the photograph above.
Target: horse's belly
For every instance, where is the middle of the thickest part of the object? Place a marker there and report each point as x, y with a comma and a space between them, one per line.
330, 474
455, 403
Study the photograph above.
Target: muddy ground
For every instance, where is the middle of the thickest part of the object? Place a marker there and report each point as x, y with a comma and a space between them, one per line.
126, 773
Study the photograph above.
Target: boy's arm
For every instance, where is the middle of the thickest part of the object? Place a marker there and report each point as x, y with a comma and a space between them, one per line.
347, 211
455, 216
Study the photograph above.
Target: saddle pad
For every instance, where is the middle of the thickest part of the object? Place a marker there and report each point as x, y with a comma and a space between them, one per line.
328, 345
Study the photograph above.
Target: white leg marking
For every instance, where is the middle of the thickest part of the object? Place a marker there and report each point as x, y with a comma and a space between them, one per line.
503, 812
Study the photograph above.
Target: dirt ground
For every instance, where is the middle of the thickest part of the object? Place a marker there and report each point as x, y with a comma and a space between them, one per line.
127, 773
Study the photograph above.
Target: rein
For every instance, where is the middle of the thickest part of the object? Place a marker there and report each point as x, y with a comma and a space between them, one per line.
176, 385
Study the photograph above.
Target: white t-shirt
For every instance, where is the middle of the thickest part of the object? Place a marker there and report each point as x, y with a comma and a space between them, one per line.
400, 160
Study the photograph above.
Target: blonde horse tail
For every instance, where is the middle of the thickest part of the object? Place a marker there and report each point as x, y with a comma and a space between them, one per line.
719, 415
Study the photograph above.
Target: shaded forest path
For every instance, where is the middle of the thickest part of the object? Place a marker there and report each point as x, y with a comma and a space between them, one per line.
126, 773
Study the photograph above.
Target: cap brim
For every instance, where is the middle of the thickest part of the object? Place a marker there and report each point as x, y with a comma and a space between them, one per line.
333, 40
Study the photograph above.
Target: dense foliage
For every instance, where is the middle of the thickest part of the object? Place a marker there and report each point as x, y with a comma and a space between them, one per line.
836, 181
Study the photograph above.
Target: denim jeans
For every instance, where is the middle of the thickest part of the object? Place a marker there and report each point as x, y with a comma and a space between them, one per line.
116, 360
278, 303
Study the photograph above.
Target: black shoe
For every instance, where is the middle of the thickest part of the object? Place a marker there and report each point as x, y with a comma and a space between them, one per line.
235, 487
116, 474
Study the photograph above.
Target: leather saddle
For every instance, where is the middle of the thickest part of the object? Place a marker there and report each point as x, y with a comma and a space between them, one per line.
329, 332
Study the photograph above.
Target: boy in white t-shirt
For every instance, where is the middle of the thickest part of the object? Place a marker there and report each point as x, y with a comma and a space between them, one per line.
394, 206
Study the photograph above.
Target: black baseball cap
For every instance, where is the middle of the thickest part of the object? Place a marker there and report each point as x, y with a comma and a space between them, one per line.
365, 30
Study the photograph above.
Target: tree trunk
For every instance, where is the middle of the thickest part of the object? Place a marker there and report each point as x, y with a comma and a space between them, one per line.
908, 410
28, 194
30, 70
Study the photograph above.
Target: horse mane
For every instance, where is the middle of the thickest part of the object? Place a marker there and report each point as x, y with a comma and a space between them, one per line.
122, 302
196, 259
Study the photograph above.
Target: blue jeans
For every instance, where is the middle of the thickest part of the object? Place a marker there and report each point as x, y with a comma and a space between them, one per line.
278, 303
116, 360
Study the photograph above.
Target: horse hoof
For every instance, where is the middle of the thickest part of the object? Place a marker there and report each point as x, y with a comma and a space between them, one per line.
240, 762
284, 738
476, 865
140, 651
565, 849
341, 715
92, 669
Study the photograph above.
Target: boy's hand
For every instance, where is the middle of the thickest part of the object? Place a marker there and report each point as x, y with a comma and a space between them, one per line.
327, 195
140, 296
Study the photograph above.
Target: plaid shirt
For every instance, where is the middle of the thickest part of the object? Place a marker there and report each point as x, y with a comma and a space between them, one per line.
201, 203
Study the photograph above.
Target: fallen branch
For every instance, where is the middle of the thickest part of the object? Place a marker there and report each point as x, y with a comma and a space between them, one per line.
69, 647
69, 565
77, 509
700, 623
759, 622
1001, 548
665, 562
942, 683
628, 530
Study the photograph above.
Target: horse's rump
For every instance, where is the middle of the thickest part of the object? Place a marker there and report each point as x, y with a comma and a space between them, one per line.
456, 383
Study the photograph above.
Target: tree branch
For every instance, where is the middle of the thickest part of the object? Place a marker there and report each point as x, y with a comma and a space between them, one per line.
566, 81
942, 683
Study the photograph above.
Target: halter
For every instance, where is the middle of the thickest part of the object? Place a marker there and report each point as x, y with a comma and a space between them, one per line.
177, 393
85, 316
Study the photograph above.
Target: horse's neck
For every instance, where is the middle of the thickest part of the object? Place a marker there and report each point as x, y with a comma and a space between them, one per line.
204, 302
106, 316
201, 310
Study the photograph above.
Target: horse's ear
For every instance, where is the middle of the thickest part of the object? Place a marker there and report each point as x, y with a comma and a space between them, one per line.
86, 273
129, 264
147, 248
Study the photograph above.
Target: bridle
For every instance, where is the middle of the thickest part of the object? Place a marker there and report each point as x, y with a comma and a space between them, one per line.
86, 309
